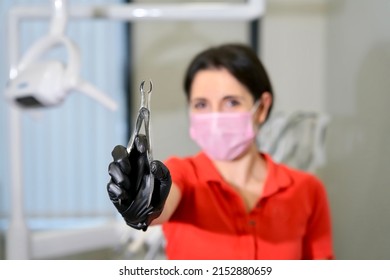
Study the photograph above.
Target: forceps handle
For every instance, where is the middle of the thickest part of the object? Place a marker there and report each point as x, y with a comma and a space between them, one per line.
136, 130
142, 118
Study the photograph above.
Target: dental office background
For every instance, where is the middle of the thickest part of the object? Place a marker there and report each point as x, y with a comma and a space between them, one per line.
329, 57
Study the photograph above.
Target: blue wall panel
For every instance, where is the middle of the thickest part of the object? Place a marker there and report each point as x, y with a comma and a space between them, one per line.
66, 149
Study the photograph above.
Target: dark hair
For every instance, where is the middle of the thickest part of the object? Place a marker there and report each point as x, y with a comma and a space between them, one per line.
240, 60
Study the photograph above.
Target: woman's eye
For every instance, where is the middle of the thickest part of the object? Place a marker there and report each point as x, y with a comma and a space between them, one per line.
233, 103
199, 105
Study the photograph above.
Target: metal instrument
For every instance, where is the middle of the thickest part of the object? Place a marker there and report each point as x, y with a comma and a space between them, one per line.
143, 118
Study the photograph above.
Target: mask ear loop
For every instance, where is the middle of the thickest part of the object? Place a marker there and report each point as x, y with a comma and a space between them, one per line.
256, 127
255, 106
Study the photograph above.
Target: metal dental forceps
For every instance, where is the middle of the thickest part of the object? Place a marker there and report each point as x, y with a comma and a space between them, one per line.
143, 118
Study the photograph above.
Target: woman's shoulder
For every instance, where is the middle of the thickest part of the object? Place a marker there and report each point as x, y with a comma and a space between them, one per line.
304, 184
187, 169
181, 162
299, 177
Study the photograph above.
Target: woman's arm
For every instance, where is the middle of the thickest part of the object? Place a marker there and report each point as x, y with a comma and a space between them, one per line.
171, 204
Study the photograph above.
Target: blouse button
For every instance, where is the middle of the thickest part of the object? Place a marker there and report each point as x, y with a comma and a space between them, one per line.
252, 222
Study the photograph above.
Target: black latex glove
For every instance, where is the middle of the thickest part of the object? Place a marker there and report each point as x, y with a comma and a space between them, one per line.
130, 186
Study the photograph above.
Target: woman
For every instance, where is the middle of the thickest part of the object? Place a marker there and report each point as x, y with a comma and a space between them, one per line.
229, 201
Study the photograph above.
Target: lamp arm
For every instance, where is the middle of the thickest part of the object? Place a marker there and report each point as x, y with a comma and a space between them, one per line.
88, 89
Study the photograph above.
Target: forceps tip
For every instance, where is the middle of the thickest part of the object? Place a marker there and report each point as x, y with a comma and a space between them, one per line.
143, 84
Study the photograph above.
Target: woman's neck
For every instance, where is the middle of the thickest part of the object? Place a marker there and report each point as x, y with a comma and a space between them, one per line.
242, 171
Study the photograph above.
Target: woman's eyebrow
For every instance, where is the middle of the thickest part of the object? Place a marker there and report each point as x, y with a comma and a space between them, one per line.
233, 97
198, 99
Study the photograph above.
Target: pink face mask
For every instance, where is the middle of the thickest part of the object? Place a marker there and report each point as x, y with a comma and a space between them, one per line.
222, 136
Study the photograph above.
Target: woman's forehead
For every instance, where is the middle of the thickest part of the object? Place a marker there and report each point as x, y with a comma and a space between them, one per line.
217, 83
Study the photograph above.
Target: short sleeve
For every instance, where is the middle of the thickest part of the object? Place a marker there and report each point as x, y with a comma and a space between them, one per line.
179, 169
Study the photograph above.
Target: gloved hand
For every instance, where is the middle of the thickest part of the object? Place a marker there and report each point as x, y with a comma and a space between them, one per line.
133, 183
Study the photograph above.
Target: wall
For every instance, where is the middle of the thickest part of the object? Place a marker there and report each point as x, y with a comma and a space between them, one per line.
358, 96
293, 41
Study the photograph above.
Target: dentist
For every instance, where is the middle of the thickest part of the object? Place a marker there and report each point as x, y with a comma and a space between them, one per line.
229, 201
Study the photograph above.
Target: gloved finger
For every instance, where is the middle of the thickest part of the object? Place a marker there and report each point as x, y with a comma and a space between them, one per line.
117, 175
161, 172
141, 170
141, 143
115, 192
138, 150
164, 181
118, 196
120, 156
141, 203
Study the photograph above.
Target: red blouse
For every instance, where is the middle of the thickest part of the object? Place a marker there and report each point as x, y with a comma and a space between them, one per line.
290, 221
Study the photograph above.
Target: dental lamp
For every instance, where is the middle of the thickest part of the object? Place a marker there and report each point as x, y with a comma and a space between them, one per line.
37, 83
